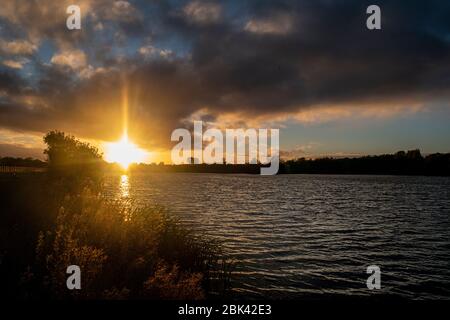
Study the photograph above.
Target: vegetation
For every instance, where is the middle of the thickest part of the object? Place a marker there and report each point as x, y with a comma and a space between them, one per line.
61, 217
69, 157
411, 162
22, 162
400, 163
123, 253
49, 222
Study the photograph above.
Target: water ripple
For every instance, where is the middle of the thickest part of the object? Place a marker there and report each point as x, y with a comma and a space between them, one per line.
304, 235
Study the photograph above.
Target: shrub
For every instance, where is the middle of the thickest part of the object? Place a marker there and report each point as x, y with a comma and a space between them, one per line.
123, 252
69, 157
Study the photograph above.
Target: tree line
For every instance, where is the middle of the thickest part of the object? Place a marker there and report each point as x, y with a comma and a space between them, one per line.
411, 162
67, 155
22, 162
401, 163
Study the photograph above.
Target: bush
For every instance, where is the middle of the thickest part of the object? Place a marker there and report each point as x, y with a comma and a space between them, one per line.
69, 157
123, 253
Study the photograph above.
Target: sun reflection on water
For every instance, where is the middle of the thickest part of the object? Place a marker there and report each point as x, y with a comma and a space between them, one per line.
124, 192
124, 186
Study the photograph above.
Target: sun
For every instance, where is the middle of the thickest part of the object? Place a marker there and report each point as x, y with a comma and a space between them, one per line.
124, 152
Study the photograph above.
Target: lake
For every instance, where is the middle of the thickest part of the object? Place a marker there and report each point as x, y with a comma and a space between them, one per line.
303, 236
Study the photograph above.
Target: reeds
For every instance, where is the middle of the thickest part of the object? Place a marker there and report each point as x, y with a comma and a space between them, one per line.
123, 251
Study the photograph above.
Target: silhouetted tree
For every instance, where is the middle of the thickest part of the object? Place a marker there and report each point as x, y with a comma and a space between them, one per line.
68, 156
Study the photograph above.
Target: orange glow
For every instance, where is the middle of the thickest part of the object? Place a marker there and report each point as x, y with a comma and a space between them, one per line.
124, 152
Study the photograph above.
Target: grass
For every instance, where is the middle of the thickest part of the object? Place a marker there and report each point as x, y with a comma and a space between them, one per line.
49, 223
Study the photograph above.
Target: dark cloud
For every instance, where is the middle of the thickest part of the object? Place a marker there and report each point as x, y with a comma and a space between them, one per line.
10, 83
257, 58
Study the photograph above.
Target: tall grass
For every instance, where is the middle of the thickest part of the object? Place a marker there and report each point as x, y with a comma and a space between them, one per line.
124, 252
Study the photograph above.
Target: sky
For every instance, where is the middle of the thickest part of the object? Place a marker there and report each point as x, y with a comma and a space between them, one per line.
310, 68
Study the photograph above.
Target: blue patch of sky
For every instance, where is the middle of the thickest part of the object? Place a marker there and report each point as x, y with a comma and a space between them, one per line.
46, 51
427, 131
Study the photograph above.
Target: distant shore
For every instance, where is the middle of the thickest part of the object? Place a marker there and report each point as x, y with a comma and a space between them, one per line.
401, 163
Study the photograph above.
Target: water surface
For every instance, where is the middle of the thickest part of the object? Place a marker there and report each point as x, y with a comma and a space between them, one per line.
299, 236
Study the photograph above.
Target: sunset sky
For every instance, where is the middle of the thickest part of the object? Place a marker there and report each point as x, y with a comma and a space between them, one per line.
310, 68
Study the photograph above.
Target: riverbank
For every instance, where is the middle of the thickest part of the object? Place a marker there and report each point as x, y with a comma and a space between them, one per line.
124, 252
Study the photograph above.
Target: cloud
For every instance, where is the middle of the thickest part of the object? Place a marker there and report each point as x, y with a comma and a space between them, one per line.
17, 47
75, 59
149, 51
238, 63
15, 64
300, 151
203, 12
18, 150
17, 144
46, 20
278, 25
122, 8
41, 19
10, 84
